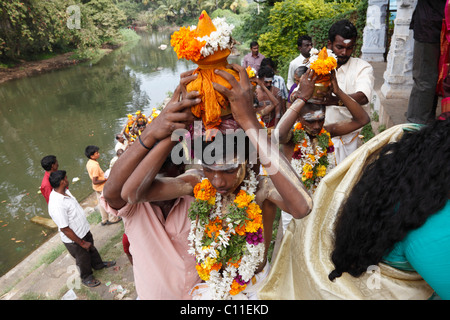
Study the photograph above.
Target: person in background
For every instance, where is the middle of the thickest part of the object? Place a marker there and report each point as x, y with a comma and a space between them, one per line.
269, 98
426, 23
254, 57
121, 143
98, 179
355, 77
297, 75
278, 81
304, 45
74, 229
49, 164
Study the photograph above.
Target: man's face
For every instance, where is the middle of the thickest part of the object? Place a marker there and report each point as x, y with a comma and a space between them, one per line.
225, 179
313, 122
268, 83
55, 166
305, 48
255, 50
342, 48
95, 156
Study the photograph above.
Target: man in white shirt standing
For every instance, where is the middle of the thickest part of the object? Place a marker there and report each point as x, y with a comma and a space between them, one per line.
304, 45
355, 78
73, 226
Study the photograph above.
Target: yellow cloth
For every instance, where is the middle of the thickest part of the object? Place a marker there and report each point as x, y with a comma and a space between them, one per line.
301, 267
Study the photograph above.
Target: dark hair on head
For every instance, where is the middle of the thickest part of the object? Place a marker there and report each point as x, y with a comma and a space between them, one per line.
90, 150
253, 43
268, 62
228, 147
300, 71
56, 178
407, 183
47, 162
265, 72
344, 28
301, 38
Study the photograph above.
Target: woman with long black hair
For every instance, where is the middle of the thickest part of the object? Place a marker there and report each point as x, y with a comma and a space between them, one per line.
398, 213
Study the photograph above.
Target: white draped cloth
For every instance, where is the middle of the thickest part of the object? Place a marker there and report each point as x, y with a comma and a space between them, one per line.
301, 267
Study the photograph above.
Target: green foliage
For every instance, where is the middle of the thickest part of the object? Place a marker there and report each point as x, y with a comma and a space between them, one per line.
29, 28
288, 20
318, 28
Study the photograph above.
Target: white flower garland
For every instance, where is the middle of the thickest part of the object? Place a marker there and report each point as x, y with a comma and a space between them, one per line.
314, 55
220, 281
217, 40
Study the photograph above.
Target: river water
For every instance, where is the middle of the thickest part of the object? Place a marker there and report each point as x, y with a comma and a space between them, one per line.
62, 112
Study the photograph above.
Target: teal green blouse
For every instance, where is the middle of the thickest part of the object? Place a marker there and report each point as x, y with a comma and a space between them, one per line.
427, 251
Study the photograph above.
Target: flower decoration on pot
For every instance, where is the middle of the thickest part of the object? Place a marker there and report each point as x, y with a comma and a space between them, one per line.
208, 45
322, 62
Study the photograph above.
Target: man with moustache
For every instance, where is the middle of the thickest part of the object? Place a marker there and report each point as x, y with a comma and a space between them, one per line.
355, 78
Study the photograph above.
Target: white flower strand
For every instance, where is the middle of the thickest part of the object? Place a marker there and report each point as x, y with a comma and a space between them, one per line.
220, 282
217, 40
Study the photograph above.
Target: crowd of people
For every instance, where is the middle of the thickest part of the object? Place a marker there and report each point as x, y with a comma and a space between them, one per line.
202, 229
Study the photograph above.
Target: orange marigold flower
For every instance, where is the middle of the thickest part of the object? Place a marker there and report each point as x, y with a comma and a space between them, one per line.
324, 64
204, 190
236, 288
240, 229
213, 227
243, 199
186, 45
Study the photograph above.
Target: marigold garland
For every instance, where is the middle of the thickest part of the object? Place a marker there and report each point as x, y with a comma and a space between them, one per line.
322, 62
186, 44
312, 164
229, 246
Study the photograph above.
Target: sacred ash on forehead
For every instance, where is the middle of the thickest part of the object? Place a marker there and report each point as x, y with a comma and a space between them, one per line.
316, 115
346, 41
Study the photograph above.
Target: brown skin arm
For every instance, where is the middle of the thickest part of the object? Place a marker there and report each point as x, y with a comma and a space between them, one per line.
291, 115
133, 175
72, 236
96, 180
296, 199
359, 116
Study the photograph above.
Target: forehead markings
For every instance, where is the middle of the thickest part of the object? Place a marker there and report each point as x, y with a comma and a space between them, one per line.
316, 115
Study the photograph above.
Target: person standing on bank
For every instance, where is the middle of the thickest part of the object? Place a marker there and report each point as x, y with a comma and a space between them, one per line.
98, 181
74, 229
49, 164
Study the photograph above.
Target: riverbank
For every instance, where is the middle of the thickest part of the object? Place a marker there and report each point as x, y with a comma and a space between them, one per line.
64, 60
49, 273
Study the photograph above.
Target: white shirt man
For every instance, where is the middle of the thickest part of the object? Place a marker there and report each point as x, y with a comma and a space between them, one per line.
67, 212
304, 45
355, 78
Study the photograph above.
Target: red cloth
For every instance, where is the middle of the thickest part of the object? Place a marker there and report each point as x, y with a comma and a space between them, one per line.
46, 188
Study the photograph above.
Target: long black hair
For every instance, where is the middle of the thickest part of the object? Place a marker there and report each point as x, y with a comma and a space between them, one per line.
408, 182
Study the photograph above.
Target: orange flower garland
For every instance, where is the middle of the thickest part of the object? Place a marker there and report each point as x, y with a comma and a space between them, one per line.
228, 246
311, 164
